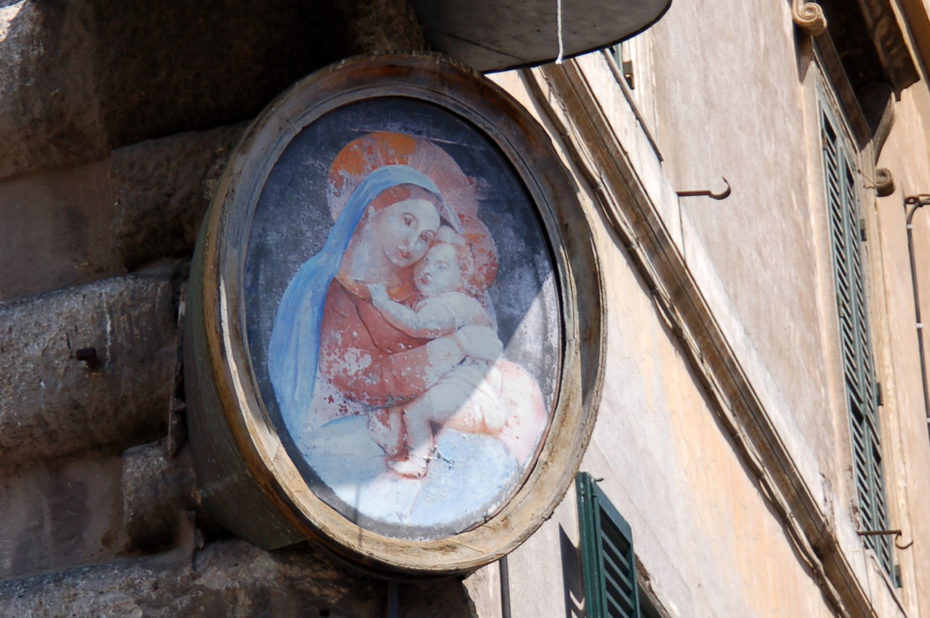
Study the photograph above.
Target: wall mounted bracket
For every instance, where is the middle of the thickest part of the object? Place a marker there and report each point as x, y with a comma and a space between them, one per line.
809, 17
896, 533
707, 193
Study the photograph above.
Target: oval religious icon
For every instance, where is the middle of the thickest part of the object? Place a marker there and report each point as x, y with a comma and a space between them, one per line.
384, 332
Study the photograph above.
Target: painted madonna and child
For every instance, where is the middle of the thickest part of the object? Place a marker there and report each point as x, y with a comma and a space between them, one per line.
385, 355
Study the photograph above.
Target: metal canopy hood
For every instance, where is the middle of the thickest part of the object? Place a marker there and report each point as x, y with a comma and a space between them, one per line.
492, 35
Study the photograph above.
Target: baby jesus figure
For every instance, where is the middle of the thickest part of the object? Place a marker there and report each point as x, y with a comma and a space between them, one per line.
464, 398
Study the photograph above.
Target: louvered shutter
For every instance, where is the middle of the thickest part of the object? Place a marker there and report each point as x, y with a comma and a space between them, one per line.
608, 563
856, 347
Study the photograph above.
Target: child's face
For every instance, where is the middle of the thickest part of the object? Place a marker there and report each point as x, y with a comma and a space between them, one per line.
438, 271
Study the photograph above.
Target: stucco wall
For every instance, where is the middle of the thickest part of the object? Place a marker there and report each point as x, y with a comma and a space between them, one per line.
735, 97
906, 155
708, 539
723, 103
699, 522
733, 91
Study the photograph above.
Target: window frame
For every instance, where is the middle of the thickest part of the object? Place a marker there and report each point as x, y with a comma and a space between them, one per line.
603, 532
844, 204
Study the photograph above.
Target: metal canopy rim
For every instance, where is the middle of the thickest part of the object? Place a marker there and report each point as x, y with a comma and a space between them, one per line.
494, 35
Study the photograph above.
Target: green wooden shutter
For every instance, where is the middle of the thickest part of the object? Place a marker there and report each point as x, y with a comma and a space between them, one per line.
607, 560
855, 342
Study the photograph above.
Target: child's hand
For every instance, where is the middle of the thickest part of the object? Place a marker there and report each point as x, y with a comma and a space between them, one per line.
378, 292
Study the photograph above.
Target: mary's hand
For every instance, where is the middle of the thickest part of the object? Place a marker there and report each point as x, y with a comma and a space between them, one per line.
479, 342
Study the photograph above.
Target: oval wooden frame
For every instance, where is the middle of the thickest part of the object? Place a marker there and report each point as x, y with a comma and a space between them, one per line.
248, 481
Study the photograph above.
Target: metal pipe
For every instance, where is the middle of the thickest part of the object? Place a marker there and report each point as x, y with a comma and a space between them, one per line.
393, 601
911, 205
505, 587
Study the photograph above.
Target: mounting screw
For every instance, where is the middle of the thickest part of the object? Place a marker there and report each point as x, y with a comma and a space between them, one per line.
89, 357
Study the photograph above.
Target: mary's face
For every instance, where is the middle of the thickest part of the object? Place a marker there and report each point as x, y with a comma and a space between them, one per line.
405, 230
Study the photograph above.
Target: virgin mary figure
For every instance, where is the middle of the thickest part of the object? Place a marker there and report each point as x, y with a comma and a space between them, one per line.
335, 361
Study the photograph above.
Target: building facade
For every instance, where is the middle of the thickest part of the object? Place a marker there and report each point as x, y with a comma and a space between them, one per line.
753, 176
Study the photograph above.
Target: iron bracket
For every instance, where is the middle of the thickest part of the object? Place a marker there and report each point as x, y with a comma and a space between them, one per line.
707, 193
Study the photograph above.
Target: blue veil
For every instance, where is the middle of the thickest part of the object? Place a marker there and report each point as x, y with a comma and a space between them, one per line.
293, 353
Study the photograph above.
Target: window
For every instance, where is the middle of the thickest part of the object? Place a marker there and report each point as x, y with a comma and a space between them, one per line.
856, 348
621, 55
632, 63
608, 564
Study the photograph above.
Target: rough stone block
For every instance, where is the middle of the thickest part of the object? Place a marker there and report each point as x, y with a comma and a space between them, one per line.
229, 578
158, 492
54, 516
381, 25
80, 79
95, 509
162, 189
52, 403
142, 204
57, 230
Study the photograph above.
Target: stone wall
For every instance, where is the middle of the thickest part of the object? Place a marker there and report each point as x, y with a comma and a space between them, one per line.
118, 120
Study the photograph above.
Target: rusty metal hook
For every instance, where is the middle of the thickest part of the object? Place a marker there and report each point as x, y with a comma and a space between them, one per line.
707, 193
897, 535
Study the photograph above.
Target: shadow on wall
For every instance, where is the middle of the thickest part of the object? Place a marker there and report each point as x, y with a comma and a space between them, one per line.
572, 583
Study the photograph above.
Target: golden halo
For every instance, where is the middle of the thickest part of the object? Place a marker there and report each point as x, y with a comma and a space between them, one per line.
365, 154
